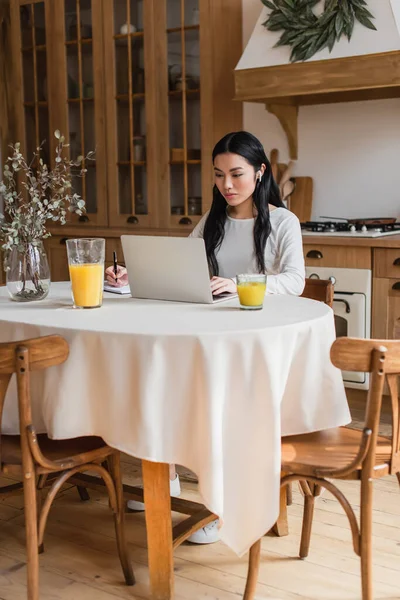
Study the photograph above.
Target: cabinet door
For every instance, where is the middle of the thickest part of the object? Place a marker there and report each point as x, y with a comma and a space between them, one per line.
57, 257
130, 68
181, 127
197, 52
386, 309
81, 113
58, 75
31, 48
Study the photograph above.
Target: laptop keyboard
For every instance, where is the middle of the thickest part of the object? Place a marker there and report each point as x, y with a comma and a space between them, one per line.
223, 295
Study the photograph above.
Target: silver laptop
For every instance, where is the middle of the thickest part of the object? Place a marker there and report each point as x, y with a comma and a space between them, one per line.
168, 268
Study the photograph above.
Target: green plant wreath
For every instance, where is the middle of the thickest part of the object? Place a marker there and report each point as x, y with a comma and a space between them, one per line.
307, 33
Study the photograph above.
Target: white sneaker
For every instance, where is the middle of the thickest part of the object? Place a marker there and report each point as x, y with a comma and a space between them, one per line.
174, 490
206, 535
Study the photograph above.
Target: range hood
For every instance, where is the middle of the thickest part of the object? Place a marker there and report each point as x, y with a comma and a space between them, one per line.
366, 68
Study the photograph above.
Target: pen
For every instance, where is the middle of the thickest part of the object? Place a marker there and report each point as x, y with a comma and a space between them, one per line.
115, 264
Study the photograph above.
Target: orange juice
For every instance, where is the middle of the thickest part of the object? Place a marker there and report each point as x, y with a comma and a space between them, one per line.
87, 284
251, 293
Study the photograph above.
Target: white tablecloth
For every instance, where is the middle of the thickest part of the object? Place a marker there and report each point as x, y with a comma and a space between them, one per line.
210, 387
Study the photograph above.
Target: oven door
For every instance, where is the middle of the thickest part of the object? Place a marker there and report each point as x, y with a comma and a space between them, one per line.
350, 311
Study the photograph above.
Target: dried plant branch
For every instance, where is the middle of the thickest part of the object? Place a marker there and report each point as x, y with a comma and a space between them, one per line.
48, 195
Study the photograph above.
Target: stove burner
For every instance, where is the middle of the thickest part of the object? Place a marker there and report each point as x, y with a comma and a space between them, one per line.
338, 226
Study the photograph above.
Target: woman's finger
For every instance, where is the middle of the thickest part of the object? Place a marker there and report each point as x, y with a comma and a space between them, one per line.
220, 288
217, 281
219, 291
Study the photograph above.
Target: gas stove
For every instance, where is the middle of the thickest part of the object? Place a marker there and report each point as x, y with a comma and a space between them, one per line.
349, 229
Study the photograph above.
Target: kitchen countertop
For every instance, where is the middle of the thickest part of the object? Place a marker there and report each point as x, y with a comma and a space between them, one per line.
390, 241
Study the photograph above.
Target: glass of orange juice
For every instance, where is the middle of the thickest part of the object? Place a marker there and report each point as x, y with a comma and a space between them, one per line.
86, 271
251, 290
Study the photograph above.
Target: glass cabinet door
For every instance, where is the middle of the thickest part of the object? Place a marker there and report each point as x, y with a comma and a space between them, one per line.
34, 49
184, 111
85, 103
127, 34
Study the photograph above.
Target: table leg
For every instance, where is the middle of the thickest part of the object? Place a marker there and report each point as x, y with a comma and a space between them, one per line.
281, 527
159, 529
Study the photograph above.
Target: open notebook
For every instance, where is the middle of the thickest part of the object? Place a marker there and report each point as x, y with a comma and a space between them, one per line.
115, 290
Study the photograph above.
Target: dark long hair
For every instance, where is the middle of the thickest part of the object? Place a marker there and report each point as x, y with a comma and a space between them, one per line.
266, 192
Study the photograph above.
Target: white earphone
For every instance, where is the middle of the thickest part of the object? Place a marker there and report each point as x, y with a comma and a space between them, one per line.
259, 175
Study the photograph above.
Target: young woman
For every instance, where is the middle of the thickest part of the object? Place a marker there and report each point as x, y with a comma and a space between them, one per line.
248, 229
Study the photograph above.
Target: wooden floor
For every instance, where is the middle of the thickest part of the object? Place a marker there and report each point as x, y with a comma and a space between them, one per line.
80, 560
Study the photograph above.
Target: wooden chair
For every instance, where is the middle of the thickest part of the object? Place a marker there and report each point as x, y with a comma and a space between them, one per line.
34, 457
344, 453
319, 289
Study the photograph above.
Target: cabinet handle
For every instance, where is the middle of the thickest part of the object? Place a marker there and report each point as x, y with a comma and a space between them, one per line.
396, 286
314, 254
132, 219
63, 241
83, 219
185, 221
396, 263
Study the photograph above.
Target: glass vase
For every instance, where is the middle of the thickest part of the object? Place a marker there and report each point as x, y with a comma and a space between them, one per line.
28, 273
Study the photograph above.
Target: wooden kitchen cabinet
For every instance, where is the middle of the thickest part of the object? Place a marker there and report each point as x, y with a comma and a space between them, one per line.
385, 308
347, 257
57, 257
386, 293
148, 84
387, 262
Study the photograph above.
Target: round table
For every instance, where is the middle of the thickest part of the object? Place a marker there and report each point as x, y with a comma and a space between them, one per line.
210, 387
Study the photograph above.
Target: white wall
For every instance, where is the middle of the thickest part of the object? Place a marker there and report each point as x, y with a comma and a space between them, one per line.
352, 150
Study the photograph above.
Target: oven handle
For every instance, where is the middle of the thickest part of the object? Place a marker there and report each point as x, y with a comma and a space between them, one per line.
347, 305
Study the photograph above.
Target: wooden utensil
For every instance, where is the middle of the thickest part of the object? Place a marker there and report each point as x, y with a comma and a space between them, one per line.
281, 169
287, 190
286, 177
273, 159
302, 197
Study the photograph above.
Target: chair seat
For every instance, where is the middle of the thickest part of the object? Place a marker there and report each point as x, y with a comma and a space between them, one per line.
52, 449
330, 449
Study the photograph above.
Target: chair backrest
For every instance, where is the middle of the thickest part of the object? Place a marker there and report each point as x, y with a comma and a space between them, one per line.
380, 358
319, 289
21, 358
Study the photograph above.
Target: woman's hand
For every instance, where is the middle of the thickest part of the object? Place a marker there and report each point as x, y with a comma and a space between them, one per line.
117, 280
221, 285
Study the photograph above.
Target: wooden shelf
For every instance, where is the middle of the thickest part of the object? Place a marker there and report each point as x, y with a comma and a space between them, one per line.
121, 40
185, 28
283, 88
39, 48
127, 163
125, 36
40, 103
82, 41
125, 97
188, 162
78, 100
179, 93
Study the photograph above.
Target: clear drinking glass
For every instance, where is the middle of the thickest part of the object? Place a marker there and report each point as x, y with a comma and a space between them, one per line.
86, 271
251, 290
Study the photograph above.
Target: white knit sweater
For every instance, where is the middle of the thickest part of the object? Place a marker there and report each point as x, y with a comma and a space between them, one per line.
283, 252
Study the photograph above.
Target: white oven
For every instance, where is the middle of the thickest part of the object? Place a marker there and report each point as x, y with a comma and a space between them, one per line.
352, 308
